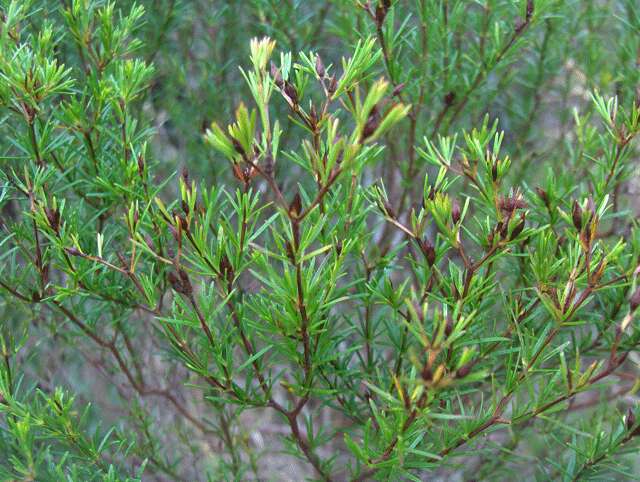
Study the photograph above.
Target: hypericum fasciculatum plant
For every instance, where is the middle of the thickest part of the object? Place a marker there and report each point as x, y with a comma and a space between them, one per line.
389, 278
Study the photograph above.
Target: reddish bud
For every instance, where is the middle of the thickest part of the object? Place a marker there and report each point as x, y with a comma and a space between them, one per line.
371, 125
276, 76
313, 116
53, 217
630, 421
397, 90
320, 70
530, 9
295, 208
173, 279
238, 173
333, 85
388, 209
503, 228
586, 236
149, 242
180, 282
140, 166
238, 147
542, 194
591, 206
290, 251
381, 13
428, 250
204, 125
456, 212
577, 215
511, 203
225, 268
463, 371
449, 98
291, 92
173, 232
519, 227
448, 328
268, 164
73, 251
183, 223
186, 283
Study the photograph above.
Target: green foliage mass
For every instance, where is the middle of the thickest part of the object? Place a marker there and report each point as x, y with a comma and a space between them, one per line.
334, 240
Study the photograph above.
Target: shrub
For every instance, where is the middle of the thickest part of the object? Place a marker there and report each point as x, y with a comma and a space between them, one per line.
406, 250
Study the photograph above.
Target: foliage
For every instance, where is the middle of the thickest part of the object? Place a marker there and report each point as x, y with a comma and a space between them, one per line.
401, 233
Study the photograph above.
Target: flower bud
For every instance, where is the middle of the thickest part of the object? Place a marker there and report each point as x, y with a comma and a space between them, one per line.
630, 420
456, 212
428, 250
371, 125
577, 215
187, 289
320, 70
543, 195
73, 251
448, 328
225, 268
291, 92
463, 371
397, 90
519, 227
53, 217
174, 281
530, 10
149, 242
381, 13
295, 208
449, 98
333, 85
238, 147
276, 76
140, 166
